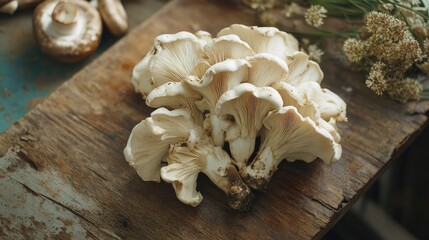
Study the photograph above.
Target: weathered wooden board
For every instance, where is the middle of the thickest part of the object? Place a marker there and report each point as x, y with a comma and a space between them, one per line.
63, 175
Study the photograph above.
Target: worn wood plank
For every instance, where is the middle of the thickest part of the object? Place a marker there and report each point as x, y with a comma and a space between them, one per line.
63, 169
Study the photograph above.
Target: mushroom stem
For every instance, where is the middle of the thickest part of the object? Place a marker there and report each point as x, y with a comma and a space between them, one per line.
225, 176
241, 149
64, 18
65, 13
217, 133
259, 173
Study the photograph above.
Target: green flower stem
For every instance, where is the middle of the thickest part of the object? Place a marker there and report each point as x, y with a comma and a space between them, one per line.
324, 33
425, 94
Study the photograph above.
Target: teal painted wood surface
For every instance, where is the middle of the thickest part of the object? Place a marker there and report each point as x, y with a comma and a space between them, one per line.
27, 75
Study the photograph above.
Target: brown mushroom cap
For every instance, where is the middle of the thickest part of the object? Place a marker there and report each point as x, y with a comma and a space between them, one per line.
8, 7
114, 16
24, 4
68, 30
4, 1
11, 6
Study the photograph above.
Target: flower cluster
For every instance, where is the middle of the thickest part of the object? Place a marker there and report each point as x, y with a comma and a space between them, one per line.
315, 14
216, 96
391, 50
392, 45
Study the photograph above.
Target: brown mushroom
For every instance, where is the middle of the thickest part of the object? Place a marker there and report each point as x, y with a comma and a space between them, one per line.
68, 30
24, 4
8, 6
11, 6
114, 16
6, 1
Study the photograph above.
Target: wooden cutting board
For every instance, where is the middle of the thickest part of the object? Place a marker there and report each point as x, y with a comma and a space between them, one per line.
63, 174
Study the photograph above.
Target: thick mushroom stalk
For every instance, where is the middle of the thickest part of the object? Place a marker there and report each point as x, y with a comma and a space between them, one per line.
287, 135
185, 164
172, 59
243, 108
218, 78
149, 140
70, 31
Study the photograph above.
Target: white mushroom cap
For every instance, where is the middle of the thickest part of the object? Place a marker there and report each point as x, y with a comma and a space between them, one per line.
172, 59
301, 69
331, 127
218, 78
227, 47
67, 30
292, 96
204, 37
185, 164
149, 140
264, 39
174, 95
329, 104
114, 16
288, 135
140, 152
200, 69
266, 69
244, 107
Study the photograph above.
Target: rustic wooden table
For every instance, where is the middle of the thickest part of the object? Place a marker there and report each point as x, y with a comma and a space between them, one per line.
63, 174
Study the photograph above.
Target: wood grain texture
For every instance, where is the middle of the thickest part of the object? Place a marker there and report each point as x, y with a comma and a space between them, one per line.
63, 174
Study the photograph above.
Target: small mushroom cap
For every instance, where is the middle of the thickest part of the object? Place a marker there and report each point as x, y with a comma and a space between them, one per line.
140, 152
185, 164
72, 41
266, 69
114, 16
227, 47
172, 59
174, 95
264, 39
245, 106
301, 69
149, 140
204, 37
292, 96
292, 136
218, 78
328, 103
182, 172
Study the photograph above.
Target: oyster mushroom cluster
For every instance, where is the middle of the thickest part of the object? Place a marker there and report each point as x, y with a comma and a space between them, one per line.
232, 107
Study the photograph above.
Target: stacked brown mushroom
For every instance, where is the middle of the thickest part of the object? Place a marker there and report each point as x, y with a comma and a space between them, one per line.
218, 94
70, 30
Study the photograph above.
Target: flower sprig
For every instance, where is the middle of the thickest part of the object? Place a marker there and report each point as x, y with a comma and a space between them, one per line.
390, 41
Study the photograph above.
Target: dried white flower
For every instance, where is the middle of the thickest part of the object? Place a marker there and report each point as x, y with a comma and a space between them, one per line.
315, 14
